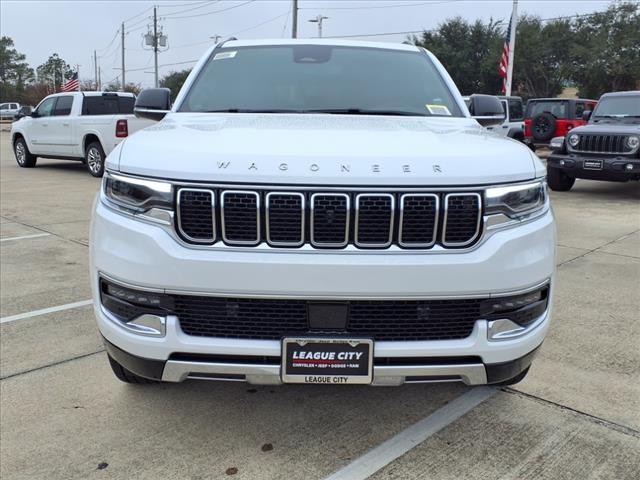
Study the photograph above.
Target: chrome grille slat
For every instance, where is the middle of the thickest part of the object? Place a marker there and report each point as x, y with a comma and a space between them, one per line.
284, 219
374, 220
198, 223
332, 210
240, 217
328, 219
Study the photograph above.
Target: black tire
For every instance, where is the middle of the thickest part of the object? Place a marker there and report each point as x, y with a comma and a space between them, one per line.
514, 380
94, 159
543, 127
125, 375
559, 181
23, 156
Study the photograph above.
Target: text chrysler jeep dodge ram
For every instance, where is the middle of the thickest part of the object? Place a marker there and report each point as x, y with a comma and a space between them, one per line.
321, 212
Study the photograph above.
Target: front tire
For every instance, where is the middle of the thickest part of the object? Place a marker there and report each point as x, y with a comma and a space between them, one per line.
125, 375
559, 181
23, 156
94, 159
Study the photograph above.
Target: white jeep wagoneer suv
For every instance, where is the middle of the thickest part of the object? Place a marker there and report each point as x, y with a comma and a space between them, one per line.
313, 211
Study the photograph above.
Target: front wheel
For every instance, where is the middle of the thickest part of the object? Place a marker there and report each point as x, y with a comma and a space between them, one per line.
559, 181
24, 158
94, 158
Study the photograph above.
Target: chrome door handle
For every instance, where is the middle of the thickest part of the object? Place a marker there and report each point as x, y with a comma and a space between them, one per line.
66, 124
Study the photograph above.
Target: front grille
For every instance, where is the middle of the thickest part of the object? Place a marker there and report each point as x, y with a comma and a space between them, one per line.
329, 219
380, 320
603, 144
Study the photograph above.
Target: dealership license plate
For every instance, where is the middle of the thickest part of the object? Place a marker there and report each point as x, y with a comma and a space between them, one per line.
327, 360
592, 164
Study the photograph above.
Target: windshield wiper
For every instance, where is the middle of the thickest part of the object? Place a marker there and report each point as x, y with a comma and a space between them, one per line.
360, 111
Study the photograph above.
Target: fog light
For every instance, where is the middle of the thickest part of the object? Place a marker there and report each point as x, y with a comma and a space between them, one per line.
562, 163
629, 166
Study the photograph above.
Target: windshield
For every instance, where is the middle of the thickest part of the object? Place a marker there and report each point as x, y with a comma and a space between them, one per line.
618, 107
320, 78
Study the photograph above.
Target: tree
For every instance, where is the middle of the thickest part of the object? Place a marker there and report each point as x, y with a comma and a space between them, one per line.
115, 86
34, 93
542, 57
606, 56
15, 73
469, 51
54, 71
174, 80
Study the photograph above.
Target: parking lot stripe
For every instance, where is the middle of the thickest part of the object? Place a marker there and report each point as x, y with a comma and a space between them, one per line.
24, 237
385, 453
44, 311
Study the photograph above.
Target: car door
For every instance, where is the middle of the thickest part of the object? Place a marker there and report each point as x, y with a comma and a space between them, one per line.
60, 127
37, 129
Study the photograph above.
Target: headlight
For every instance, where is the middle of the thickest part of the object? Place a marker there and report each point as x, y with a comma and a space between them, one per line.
516, 201
633, 141
574, 139
138, 195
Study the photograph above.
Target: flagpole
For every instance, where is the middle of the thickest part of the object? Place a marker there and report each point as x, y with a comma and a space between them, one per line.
512, 47
78, 73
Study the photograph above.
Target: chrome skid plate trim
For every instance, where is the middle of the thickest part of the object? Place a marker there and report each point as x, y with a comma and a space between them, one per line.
259, 374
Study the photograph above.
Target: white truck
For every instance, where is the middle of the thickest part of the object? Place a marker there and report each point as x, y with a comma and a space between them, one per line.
9, 110
82, 126
321, 211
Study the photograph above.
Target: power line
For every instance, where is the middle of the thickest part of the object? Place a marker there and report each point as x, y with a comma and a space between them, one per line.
372, 7
206, 4
135, 16
111, 42
208, 13
260, 24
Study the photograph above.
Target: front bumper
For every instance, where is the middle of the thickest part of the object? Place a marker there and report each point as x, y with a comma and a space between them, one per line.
593, 167
147, 256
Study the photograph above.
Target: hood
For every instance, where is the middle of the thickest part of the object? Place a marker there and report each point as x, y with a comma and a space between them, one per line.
324, 149
624, 128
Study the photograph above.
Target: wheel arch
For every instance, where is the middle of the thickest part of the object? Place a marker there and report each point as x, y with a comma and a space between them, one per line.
89, 138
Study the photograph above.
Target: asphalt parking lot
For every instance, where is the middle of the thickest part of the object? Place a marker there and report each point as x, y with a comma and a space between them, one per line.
64, 415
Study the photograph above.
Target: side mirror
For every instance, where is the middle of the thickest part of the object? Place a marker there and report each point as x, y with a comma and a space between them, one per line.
35, 114
486, 110
153, 103
586, 115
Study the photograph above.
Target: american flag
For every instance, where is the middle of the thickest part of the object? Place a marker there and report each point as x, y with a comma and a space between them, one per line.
504, 59
71, 85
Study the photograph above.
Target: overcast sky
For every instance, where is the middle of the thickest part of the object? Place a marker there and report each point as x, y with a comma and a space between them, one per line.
73, 29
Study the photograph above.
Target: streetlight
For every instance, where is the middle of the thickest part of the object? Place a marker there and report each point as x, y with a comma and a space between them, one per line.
215, 38
319, 20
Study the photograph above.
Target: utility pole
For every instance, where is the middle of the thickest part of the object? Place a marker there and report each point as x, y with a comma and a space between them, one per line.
122, 28
294, 22
215, 38
99, 79
155, 45
95, 67
512, 47
319, 20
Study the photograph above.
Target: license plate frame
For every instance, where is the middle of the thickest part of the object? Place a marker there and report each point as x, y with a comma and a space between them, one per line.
592, 164
315, 364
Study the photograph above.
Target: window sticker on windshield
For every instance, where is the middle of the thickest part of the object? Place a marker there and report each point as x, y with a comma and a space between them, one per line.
222, 55
438, 109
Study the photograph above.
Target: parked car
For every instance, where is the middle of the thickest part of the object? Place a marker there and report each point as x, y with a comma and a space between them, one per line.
9, 110
82, 126
357, 226
546, 118
513, 124
607, 148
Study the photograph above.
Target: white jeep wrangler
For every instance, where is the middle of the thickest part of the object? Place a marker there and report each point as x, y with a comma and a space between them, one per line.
315, 211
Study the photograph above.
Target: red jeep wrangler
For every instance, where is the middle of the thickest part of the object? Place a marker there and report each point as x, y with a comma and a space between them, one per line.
546, 118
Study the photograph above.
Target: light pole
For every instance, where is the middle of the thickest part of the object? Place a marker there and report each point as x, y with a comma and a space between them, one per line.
215, 38
319, 19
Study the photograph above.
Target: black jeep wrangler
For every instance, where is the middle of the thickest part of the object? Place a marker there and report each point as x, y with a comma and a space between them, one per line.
606, 148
